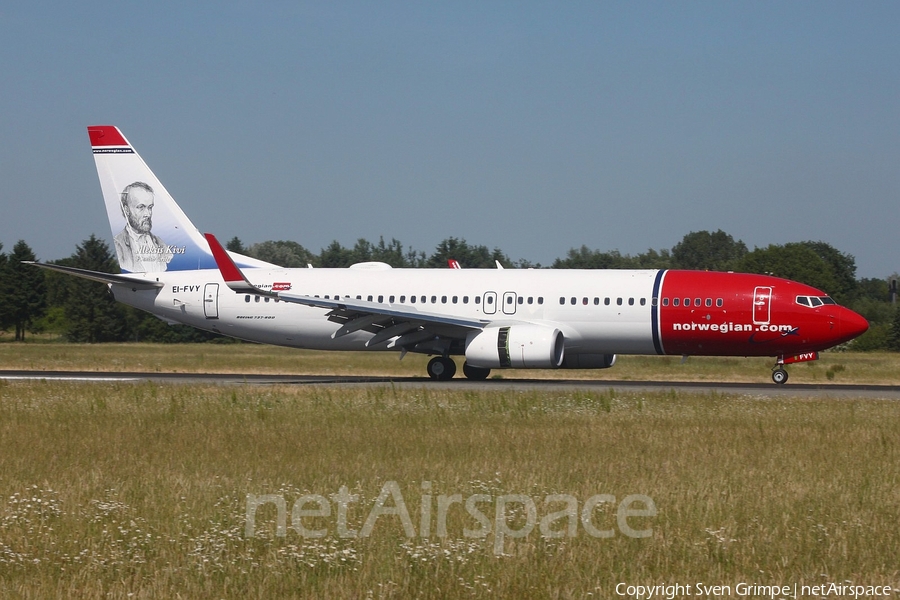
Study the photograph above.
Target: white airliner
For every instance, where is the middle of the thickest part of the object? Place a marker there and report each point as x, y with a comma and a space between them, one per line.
494, 318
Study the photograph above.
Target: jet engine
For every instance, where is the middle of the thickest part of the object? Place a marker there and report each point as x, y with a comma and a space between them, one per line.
522, 346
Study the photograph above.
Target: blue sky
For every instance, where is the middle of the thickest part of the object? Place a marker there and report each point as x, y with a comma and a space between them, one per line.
532, 127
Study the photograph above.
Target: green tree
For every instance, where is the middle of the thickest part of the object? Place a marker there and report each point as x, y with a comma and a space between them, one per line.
283, 253
5, 308
26, 293
469, 257
236, 245
585, 258
705, 251
391, 253
93, 314
335, 256
795, 261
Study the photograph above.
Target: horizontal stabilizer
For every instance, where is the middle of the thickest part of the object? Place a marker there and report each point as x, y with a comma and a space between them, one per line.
137, 283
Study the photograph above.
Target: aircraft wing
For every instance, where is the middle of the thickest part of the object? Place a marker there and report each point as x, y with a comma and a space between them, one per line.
406, 323
138, 283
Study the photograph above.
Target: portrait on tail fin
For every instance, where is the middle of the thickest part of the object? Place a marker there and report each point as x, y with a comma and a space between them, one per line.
137, 248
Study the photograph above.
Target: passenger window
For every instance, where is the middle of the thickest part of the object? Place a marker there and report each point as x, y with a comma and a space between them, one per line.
256, 298
687, 301
422, 299
643, 301
359, 297
584, 300
540, 299
530, 299
619, 301
477, 299
606, 301
697, 302
455, 299
443, 299
596, 301
574, 300
709, 302
247, 298
391, 299
434, 299
380, 298
368, 298
521, 300
412, 299
665, 301
402, 299
267, 298
465, 299
719, 302
562, 300
676, 301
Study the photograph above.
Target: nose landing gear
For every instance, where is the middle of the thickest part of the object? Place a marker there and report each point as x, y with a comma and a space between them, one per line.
779, 375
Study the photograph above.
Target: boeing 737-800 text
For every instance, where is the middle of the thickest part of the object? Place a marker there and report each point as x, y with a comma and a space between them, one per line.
494, 318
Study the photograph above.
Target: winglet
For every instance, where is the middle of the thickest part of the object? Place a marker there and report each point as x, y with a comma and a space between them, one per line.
232, 275
453, 263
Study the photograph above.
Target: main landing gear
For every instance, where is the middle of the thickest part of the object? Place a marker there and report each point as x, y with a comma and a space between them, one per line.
442, 368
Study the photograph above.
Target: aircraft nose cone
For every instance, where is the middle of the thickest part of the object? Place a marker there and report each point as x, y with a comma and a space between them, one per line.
852, 325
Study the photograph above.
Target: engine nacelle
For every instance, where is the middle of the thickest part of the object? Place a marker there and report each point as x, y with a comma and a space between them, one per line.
523, 346
589, 361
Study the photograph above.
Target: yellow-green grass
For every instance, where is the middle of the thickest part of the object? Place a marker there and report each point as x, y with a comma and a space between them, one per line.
120, 490
833, 367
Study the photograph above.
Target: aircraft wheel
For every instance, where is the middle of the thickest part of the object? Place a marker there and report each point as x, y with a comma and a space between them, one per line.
779, 376
441, 368
475, 373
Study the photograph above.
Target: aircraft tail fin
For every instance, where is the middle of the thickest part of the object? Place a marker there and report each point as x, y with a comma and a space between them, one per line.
150, 231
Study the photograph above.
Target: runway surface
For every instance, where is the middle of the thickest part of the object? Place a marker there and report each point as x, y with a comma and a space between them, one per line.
755, 389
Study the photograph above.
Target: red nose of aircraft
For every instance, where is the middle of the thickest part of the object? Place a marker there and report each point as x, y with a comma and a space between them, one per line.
851, 325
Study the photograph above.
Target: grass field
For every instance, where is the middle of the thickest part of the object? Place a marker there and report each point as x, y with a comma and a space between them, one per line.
141, 491
833, 367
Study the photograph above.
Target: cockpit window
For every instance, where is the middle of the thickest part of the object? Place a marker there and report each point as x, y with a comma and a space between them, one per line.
814, 301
